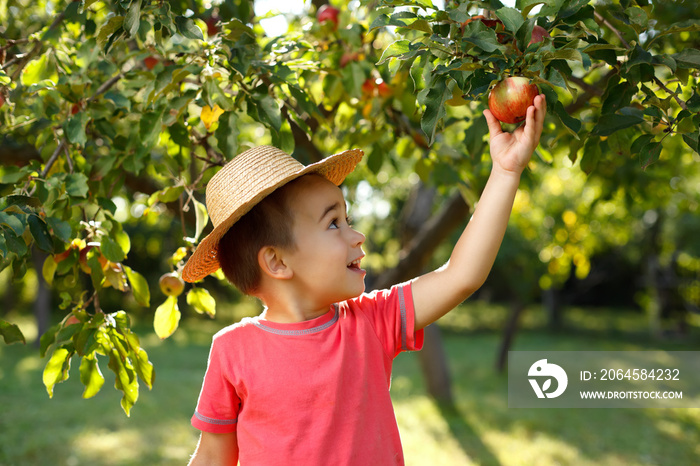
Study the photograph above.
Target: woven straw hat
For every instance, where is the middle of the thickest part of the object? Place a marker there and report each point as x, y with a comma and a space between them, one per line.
246, 180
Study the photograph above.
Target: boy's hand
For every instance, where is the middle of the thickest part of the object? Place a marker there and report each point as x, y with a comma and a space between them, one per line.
511, 152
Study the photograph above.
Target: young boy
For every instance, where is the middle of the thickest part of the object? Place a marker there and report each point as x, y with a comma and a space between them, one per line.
307, 382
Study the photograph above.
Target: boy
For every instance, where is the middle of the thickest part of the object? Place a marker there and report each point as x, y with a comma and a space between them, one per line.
307, 382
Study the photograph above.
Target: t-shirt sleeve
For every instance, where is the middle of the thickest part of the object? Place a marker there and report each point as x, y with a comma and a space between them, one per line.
218, 404
393, 318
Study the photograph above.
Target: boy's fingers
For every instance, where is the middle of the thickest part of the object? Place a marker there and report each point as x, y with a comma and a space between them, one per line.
541, 105
493, 124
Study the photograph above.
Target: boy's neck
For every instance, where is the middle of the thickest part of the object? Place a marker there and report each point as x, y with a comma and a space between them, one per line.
280, 316
283, 308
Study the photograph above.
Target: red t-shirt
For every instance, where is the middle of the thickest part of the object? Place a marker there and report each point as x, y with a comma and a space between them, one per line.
314, 392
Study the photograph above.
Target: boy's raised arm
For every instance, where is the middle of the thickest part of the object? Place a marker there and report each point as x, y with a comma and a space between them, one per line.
216, 450
438, 292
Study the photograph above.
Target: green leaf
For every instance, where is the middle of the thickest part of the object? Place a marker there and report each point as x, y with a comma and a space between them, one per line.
13, 222
76, 185
562, 54
165, 195
150, 126
139, 287
512, 19
640, 142
591, 155
122, 238
397, 49
20, 200
144, 367
486, 40
48, 270
11, 333
126, 380
41, 69
380, 21
113, 25
75, 128
608, 124
571, 123
112, 251
202, 218
269, 112
227, 134
693, 141
435, 107
188, 28
180, 135
120, 101
202, 301
133, 17
688, 58
650, 153
48, 338
57, 369
637, 16
40, 233
304, 101
60, 228
91, 376
167, 318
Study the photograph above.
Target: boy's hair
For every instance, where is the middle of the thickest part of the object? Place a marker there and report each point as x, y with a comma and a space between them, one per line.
269, 223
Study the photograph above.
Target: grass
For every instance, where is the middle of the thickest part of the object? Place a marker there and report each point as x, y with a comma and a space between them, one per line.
480, 429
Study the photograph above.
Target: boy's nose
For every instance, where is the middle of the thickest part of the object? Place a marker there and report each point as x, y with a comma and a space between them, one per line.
357, 238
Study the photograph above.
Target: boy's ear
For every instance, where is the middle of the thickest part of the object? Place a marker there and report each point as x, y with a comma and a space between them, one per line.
272, 263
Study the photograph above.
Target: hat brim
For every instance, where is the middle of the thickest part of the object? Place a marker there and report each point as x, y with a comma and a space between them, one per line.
204, 260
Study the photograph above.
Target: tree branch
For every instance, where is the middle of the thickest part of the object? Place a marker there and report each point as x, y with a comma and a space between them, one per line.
612, 28
105, 87
675, 96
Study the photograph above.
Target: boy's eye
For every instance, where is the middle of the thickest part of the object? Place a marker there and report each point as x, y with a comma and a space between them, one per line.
335, 223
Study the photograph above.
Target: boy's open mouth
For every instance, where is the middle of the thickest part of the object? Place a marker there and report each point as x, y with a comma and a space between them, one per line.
355, 264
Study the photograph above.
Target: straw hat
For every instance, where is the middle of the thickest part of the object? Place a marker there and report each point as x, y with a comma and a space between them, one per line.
245, 181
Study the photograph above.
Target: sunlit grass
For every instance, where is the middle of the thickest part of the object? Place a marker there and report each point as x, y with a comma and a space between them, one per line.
479, 430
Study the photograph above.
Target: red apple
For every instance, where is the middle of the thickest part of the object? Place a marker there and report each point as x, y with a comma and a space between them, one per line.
490, 23
76, 108
2, 100
369, 87
510, 98
150, 62
385, 91
538, 35
212, 25
348, 57
328, 13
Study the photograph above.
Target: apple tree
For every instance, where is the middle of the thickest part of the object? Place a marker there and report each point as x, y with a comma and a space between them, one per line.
145, 100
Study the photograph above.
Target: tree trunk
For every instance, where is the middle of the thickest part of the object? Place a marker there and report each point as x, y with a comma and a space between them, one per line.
42, 303
433, 363
509, 332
